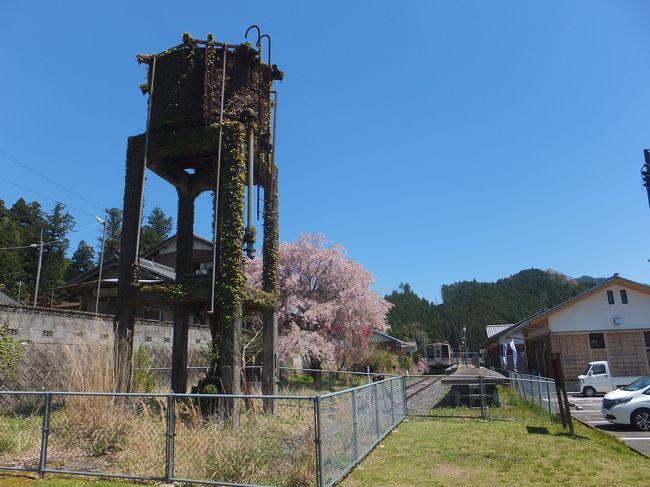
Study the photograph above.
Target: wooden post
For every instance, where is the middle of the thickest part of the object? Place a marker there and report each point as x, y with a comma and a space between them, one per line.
560, 388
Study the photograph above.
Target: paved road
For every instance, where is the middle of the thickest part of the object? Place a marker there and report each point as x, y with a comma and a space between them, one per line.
591, 415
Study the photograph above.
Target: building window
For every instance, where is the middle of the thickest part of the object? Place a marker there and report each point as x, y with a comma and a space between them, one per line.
148, 339
623, 296
596, 340
610, 297
13, 331
48, 333
166, 339
198, 340
104, 336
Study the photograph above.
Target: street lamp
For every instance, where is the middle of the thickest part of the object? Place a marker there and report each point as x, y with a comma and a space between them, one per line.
101, 260
38, 272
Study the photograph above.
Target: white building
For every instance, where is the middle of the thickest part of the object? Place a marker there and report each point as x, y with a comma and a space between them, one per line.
610, 321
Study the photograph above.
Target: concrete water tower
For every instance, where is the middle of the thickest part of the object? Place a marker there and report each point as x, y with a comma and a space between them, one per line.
210, 128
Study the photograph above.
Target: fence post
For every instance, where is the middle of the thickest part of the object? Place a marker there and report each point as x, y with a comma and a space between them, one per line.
392, 402
45, 433
378, 427
169, 451
539, 387
330, 381
355, 428
482, 392
404, 402
319, 442
548, 394
368, 373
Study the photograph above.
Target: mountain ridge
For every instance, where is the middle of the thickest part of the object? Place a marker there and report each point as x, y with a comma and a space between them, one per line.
474, 304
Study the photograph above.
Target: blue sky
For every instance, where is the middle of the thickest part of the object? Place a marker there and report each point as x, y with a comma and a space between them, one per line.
437, 141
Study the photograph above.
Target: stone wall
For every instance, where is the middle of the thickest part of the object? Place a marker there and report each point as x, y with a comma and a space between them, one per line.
46, 333
59, 327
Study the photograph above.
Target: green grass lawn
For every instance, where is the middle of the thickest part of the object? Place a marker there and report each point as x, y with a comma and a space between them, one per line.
529, 450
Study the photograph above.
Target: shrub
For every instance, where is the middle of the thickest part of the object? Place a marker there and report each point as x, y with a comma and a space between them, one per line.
10, 352
300, 380
406, 363
380, 361
143, 378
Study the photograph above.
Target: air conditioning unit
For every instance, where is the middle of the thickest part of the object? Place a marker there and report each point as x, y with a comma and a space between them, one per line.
617, 321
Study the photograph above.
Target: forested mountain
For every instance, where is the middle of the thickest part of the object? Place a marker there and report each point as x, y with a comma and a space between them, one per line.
20, 237
475, 304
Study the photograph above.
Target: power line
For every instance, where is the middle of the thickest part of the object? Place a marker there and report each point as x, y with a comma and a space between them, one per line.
20, 247
47, 197
36, 245
26, 166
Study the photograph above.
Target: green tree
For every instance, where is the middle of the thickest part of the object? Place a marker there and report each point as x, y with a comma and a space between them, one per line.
82, 260
58, 224
113, 233
474, 304
26, 221
11, 262
157, 229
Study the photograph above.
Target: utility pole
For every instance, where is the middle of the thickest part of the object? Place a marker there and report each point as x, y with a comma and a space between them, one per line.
464, 356
38, 272
101, 259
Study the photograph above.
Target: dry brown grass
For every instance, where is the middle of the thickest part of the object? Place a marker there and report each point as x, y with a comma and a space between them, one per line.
127, 435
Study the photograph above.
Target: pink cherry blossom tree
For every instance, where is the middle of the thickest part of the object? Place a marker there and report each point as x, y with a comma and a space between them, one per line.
327, 309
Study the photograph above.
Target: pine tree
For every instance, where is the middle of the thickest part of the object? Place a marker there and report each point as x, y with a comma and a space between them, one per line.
157, 229
58, 224
113, 234
27, 221
82, 260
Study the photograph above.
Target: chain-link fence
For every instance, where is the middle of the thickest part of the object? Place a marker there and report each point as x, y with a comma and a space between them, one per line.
352, 422
290, 379
536, 390
443, 395
241, 439
198, 438
466, 359
21, 430
477, 395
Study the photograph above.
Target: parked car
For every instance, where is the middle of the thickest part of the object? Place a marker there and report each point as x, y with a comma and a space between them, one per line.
597, 379
629, 405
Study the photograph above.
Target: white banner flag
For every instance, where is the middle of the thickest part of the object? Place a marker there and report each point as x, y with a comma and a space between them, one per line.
514, 354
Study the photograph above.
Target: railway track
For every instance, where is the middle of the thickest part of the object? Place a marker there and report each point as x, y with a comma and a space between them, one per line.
416, 387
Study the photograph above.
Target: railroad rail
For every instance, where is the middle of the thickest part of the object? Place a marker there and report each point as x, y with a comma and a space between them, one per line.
415, 388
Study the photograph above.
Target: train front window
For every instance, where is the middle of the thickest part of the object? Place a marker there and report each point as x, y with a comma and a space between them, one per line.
429, 352
445, 352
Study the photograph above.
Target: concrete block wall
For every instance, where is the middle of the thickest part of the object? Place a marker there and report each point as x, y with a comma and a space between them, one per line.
58, 327
45, 333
